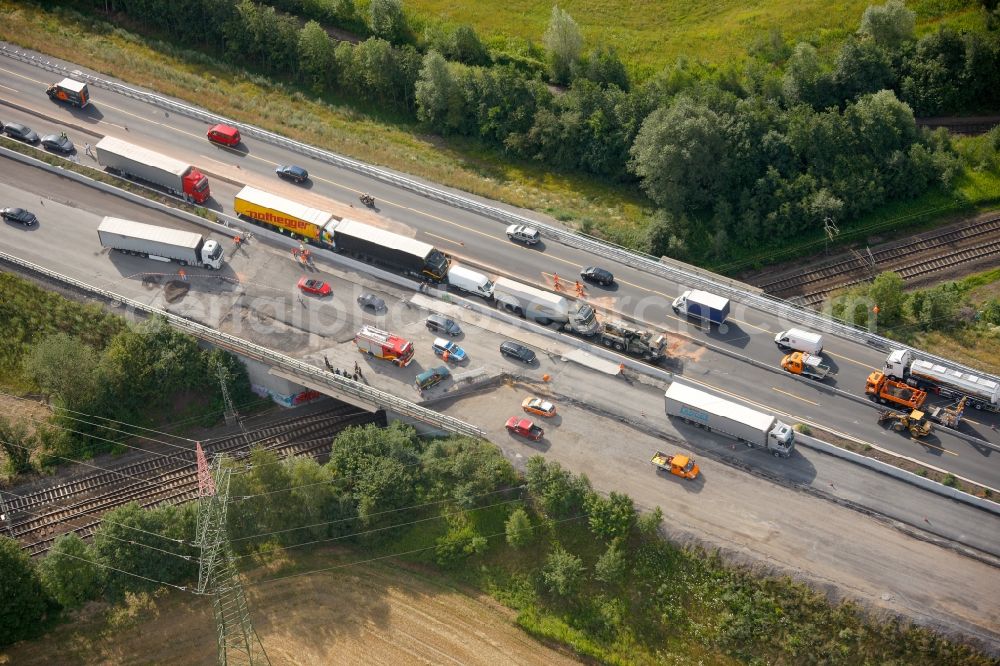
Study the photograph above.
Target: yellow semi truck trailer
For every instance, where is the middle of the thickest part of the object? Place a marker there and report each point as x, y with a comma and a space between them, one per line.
286, 215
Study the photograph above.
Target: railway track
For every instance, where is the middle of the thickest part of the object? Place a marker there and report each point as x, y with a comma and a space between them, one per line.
77, 506
914, 270
900, 258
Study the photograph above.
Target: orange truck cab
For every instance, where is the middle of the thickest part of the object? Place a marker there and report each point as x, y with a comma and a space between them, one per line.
885, 390
69, 91
678, 464
226, 135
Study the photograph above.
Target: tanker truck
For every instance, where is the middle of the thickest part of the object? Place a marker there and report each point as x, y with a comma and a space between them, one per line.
715, 414
982, 392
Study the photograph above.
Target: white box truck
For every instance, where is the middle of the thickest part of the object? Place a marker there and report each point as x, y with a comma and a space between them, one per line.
545, 307
702, 305
160, 243
715, 414
469, 281
796, 339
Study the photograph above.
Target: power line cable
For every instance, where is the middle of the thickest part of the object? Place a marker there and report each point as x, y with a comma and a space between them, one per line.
182, 588
372, 515
392, 555
385, 528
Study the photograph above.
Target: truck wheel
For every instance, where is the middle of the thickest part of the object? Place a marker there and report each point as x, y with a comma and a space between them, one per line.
777, 454
619, 346
607, 343
750, 445
182, 262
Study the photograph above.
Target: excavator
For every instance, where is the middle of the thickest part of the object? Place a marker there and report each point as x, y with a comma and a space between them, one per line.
916, 422
949, 416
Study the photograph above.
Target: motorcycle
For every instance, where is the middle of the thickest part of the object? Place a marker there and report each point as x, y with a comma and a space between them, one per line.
368, 200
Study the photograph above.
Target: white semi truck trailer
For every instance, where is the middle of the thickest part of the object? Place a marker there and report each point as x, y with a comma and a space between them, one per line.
715, 414
160, 243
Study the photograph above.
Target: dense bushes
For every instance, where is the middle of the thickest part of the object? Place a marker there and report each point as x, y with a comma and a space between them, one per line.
96, 369
577, 566
733, 160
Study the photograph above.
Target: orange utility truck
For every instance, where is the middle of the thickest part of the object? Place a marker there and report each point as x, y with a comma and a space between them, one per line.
885, 390
807, 365
678, 465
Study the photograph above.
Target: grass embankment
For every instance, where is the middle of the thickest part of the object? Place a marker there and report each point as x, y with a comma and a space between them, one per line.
619, 213
652, 35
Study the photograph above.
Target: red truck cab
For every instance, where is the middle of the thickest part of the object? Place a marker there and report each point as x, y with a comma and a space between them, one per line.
225, 135
524, 428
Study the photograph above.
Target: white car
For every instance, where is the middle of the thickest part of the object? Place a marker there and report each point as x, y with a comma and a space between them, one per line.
523, 234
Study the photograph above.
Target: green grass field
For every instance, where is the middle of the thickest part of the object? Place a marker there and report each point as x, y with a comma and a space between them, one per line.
651, 34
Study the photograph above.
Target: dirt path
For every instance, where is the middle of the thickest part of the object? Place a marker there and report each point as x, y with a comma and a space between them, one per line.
371, 615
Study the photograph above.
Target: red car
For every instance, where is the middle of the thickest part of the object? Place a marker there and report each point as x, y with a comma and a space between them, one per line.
317, 287
524, 428
225, 135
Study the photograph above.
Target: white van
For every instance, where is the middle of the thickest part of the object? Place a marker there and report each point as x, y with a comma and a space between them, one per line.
799, 340
466, 280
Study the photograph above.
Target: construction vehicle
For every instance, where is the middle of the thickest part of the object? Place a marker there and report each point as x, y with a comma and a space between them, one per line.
879, 387
982, 392
949, 416
382, 344
807, 365
915, 421
160, 243
717, 414
177, 177
545, 307
626, 338
69, 91
678, 465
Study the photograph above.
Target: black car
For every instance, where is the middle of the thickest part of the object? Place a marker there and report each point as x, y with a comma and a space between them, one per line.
516, 350
441, 324
20, 216
59, 143
598, 275
371, 301
20, 132
292, 172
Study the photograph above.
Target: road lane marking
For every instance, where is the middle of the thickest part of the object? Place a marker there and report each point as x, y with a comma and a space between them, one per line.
446, 240
792, 395
9, 88
22, 76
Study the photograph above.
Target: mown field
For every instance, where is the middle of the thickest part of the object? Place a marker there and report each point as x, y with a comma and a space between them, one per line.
651, 35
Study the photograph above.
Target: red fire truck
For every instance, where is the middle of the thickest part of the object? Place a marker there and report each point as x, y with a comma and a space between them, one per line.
376, 342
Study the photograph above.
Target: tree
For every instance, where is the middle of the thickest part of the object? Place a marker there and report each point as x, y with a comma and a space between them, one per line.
610, 518
611, 566
438, 98
18, 444
648, 524
605, 68
937, 308
316, 59
461, 541
465, 46
66, 367
863, 66
563, 43
386, 20
24, 601
886, 291
806, 80
562, 572
67, 572
890, 24
557, 491
464, 469
935, 80
518, 528
680, 155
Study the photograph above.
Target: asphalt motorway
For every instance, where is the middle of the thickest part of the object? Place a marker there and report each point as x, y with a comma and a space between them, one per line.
749, 333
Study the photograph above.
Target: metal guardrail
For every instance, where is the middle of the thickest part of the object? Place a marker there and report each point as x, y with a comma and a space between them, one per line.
785, 309
380, 399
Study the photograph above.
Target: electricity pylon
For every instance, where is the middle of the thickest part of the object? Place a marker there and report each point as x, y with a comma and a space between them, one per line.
217, 574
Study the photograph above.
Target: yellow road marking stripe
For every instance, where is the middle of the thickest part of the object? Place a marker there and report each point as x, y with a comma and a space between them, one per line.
792, 395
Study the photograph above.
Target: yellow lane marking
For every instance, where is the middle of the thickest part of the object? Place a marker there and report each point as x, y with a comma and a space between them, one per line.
848, 358
792, 395
445, 239
22, 76
9, 88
